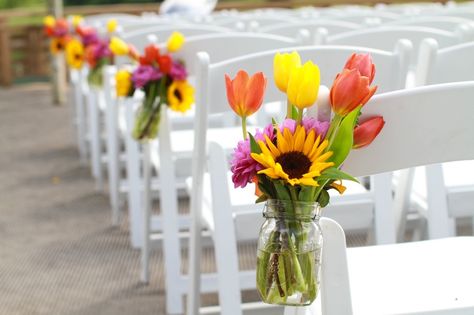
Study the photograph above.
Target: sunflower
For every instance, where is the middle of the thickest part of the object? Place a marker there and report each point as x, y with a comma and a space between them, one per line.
180, 96
74, 54
297, 158
57, 45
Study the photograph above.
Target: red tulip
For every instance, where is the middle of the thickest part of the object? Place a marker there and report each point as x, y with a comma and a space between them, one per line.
165, 62
152, 53
350, 90
363, 63
245, 95
366, 132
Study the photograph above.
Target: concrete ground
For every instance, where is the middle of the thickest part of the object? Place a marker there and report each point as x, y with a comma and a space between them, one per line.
58, 251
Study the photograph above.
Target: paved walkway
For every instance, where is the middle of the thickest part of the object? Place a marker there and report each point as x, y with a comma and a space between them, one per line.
58, 251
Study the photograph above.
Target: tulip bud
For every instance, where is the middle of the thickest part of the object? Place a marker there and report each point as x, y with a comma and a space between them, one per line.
283, 65
363, 63
245, 95
111, 25
175, 42
350, 90
366, 132
118, 46
303, 85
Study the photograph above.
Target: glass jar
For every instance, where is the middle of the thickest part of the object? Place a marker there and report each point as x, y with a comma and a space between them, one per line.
289, 253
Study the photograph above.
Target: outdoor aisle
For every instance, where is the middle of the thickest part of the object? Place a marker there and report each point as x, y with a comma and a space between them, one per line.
58, 252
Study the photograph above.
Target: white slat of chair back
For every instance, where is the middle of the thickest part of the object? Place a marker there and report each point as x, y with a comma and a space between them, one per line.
392, 150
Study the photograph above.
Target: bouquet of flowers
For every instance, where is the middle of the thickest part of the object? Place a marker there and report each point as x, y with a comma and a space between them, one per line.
163, 79
95, 50
296, 162
58, 32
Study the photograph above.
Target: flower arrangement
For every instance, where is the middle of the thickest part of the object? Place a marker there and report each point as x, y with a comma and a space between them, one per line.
164, 82
298, 161
58, 32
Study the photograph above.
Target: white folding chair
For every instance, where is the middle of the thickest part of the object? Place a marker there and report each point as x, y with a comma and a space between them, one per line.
292, 29
445, 23
430, 277
385, 37
330, 60
449, 193
170, 223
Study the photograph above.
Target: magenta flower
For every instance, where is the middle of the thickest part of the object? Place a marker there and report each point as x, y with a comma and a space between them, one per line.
243, 166
90, 38
144, 74
178, 71
319, 127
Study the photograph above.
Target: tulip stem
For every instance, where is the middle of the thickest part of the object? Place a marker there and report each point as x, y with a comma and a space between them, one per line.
300, 116
244, 127
289, 110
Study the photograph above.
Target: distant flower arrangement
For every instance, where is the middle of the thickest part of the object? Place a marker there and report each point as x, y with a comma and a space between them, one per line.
164, 81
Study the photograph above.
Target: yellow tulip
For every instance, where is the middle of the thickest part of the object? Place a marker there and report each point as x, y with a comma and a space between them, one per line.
175, 41
49, 21
283, 65
123, 79
76, 20
303, 85
111, 25
118, 46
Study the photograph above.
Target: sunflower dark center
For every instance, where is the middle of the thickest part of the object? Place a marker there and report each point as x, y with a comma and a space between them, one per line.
294, 163
178, 95
77, 56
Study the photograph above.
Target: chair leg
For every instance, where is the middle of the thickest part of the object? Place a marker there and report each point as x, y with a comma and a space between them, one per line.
145, 251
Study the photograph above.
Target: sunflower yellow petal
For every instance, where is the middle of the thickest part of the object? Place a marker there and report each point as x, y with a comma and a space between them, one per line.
308, 181
265, 149
324, 157
272, 147
300, 136
309, 142
288, 138
282, 144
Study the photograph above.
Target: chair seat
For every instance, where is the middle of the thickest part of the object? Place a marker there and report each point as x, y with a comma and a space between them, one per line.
414, 278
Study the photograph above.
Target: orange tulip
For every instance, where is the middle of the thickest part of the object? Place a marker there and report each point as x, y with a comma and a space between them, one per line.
350, 90
363, 63
366, 132
245, 95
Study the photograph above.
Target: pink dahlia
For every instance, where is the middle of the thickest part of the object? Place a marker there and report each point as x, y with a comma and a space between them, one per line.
243, 166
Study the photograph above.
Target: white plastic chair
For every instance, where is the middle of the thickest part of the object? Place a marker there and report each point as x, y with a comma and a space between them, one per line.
292, 29
330, 60
386, 37
236, 44
431, 277
446, 23
450, 193
170, 223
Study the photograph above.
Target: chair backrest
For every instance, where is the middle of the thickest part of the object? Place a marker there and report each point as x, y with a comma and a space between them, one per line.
444, 65
412, 136
446, 23
291, 29
386, 37
330, 60
103, 18
140, 38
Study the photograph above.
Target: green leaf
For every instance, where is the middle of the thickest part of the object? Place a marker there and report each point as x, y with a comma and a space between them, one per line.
294, 112
254, 147
307, 193
344, 138
323, 199
262, 198
274, 122
281, 190
333, 173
